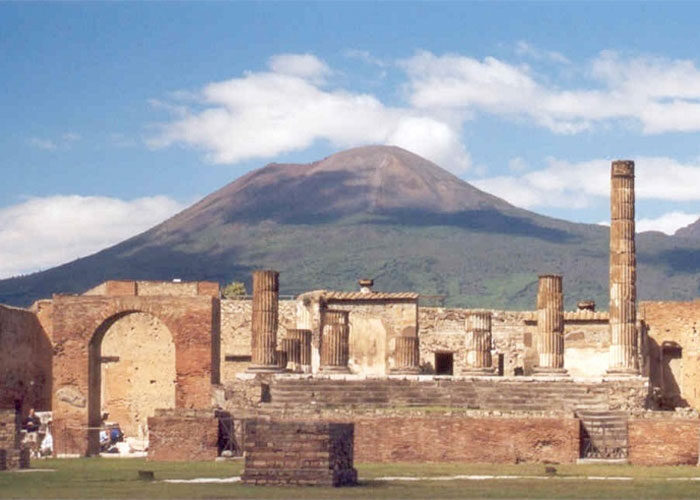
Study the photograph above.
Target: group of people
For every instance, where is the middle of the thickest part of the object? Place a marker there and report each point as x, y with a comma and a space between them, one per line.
110, 435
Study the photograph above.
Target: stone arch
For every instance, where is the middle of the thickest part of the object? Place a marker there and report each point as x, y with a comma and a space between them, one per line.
132, 371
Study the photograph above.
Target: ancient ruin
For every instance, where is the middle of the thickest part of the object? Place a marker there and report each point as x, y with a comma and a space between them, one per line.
189, 374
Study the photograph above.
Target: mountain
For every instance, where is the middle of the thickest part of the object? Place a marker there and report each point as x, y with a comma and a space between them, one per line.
690, 231
379, 212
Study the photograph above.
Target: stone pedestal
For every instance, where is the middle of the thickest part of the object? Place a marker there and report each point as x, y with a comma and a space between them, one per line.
550, 326
478, 343
292, 347
406, 356
335, 342
263, 339
623, 271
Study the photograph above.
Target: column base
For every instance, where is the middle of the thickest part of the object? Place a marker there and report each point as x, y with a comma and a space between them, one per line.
541, 371
478, 372
264, 369
622, 372
334, 369
405, 371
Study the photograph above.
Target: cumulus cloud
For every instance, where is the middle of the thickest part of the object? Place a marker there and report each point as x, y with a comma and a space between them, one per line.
578, 184
660, 94
44, 232
262, 115
667, 223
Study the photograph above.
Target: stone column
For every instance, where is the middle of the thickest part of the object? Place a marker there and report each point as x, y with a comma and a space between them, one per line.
623, 271
304, 338
263, 339
550, 325
478, 326
406, 356
335, 342
292, 347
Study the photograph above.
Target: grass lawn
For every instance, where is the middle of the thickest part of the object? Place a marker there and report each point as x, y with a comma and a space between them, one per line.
117, 478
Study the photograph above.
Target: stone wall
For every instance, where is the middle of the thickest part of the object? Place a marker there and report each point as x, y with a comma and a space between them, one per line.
79, 324
673, 330
463, 439
25, 361
586, 340
183, 435
12, 456
138, 372
663, 441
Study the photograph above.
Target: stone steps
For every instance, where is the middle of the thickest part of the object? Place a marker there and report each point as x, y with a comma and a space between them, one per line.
604, 433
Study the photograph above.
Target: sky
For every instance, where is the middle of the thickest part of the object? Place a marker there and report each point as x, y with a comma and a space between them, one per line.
115, 116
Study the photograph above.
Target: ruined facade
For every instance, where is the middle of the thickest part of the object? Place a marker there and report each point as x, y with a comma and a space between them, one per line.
159, 356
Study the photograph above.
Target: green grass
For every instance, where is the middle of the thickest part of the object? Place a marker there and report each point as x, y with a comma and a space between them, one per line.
117, 478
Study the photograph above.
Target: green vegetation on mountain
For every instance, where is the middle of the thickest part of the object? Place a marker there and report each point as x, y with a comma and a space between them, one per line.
378, 212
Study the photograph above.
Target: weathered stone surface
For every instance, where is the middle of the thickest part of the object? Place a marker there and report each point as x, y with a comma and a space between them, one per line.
550, 324
174, 436
478, 342
263, 340
666, 441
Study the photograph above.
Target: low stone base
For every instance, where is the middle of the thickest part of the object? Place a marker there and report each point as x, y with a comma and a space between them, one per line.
264, 369
405, 371
14, 458
478, 372
334, 369
540, 371
622, 372
303, 453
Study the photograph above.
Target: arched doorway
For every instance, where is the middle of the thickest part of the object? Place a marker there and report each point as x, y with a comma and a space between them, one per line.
132, 372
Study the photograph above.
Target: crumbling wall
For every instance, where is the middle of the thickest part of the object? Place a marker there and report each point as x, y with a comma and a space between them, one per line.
138, 371
236, 319
663, 441
183, 435
25, 361
673, 329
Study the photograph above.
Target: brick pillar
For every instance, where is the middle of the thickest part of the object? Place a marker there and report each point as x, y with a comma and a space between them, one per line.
335, 342
478, 326
304, 338
550, 325
623, 272
263, 339
292, 347
406, 356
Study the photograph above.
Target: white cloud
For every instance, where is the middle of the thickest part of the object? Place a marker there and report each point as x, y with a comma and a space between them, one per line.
667, 223
44, 232
578, 185
262, 115
62, 142
305, 66
45, 144
525, 49
662, 95
365, 56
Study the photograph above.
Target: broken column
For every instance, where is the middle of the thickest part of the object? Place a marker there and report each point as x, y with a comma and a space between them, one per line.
623, 277
406, 356
478, 326
263, 339
292, 347
550, 325
335, 342
304, 337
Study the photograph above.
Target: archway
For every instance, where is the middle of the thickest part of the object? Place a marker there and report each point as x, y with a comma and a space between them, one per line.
132, 372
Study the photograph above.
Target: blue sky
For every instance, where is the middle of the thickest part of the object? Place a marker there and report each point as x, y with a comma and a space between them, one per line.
114, 116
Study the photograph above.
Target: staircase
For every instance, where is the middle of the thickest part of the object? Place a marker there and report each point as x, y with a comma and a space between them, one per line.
603, 434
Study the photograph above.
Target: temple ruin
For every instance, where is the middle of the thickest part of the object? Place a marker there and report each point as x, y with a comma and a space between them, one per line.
169, 360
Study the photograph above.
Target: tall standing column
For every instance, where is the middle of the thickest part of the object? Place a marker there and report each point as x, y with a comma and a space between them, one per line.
406, 356
335, 342
550, 325
478, 339
263, 339
623, 271
304, 338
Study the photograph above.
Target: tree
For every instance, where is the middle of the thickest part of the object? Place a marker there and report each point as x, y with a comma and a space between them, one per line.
234, 290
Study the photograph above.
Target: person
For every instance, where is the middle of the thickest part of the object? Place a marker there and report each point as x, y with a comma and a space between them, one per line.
32, 422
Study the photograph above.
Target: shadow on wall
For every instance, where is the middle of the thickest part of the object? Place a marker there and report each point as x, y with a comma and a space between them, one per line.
665, 370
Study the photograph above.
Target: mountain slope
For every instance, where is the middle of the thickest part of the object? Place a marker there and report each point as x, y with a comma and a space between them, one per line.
690, 231
381, 212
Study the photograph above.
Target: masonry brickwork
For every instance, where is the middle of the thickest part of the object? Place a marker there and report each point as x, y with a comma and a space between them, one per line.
183, 435
663, 441
12, 454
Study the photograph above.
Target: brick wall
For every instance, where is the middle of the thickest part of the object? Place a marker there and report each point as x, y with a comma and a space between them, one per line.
183, 436
668, 441
460, 439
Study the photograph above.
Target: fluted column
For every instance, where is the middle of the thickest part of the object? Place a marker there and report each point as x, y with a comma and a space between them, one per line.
623, 271
550, 325
478, 340
304, 338
292, 347
406, 356
263, 339
335, 342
